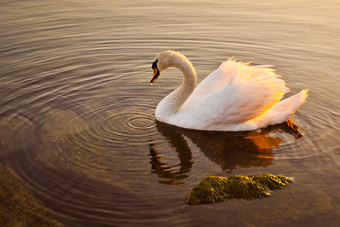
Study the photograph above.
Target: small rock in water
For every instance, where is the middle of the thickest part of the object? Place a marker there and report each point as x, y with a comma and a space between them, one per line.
217, 189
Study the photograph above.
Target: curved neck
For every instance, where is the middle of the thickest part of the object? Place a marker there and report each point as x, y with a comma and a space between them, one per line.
173, 102
182, 93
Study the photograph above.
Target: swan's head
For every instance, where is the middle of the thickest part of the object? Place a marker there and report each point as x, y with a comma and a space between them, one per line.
162, 61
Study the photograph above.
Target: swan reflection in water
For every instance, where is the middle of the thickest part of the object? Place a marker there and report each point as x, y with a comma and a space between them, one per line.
230, 150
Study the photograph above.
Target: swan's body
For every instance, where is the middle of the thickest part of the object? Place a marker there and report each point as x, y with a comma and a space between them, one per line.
235, 97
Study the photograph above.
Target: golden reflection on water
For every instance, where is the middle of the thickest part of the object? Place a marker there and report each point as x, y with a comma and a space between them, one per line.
229, 150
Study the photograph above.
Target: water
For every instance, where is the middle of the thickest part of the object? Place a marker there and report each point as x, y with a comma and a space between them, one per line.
77, 111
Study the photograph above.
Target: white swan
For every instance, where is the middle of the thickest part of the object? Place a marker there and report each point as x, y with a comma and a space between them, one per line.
235, 97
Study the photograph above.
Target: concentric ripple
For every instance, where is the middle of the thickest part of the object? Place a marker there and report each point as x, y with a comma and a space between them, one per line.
141, 122
134, 127
100, 145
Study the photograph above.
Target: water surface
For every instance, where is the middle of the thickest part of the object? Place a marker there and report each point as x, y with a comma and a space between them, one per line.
77, 111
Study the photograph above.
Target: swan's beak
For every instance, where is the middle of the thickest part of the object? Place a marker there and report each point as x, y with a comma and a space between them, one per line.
155, 76
155, 72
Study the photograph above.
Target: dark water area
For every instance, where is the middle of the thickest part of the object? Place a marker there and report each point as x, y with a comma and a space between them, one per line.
77, 111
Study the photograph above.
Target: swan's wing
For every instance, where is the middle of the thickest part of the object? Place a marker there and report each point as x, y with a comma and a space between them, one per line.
249, 92
216, 80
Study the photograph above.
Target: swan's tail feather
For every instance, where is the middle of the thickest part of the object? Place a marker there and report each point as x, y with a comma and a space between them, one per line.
282, 110
296, 101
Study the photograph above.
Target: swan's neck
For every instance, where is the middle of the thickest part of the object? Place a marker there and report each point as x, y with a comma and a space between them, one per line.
173, 102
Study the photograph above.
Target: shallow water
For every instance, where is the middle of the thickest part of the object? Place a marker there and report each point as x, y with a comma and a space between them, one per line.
77, 111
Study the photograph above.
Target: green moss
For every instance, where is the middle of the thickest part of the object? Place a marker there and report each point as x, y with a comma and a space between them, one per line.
217, 189
18, 207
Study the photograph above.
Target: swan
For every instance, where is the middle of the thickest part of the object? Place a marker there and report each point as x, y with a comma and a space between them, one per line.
234, 97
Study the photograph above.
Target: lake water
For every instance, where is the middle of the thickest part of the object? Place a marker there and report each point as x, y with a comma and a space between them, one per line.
77, 110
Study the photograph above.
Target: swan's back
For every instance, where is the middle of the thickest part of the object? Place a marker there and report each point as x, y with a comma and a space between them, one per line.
232, 98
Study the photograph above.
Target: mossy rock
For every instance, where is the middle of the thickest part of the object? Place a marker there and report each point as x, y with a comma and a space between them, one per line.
218, 189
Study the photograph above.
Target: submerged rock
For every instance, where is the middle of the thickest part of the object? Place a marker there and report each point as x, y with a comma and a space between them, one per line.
18, 207
217, 189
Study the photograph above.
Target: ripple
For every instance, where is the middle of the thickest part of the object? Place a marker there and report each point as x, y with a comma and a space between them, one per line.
128, 122
126, 126
18, 131
141, 122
